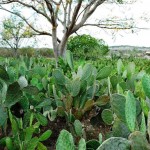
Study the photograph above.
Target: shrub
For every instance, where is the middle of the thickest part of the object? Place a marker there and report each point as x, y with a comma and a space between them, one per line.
29, 51
87, 46
46, 52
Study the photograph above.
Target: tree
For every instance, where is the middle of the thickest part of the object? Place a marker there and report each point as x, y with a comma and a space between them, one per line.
70, 15
14, 32
87, 46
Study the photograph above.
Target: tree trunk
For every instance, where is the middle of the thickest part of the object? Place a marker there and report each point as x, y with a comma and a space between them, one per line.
55, 44
63, 44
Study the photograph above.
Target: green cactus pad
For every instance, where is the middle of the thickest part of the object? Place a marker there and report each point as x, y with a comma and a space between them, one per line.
65, 141
115, 143
107, 116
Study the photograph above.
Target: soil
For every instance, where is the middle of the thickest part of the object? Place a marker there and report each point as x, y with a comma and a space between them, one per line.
56, 126
92, 124
91, 128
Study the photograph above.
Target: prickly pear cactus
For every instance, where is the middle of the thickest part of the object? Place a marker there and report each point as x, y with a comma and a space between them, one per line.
115, 143
78, 127
3, 73
87, 71
75, 87
130, 111
69, 59
138, 141
104, 72
118, 106
82, 144
92, 144
146, 85
59, 77
120, 129
120, 66
65, 141
107, 116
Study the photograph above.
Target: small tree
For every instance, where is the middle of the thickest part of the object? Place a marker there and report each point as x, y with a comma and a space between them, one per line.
14, 33
86, 45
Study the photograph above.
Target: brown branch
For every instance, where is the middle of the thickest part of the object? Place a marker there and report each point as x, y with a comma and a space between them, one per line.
25, 20
88, 12
74, 16
29, 6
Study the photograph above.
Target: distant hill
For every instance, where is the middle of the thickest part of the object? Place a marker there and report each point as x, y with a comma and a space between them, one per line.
127, 47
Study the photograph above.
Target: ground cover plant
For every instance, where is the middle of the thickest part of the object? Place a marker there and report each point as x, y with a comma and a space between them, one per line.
94, 104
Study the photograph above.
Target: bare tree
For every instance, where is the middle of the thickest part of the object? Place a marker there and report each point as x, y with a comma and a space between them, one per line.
69, 14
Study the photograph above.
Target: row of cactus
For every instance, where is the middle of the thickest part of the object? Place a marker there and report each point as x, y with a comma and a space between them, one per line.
135, 141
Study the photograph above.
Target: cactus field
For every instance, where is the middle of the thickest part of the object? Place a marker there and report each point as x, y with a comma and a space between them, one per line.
101, 104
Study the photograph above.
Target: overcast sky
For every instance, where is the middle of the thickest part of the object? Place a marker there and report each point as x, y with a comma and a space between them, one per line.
138, 10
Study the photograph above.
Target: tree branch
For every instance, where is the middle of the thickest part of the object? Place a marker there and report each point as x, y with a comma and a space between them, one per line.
31, 26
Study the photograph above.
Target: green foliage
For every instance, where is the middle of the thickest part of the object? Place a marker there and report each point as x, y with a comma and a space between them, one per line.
104, 72
146, 85
118, 105
74, 91
82, 144
114, 143
87, 46
23, 138
78, 127
29, 51
65, 141
69, 59
59, 77
14, 32
130, 111
3, 73
107, 116
138, 141
3, 116
92, 144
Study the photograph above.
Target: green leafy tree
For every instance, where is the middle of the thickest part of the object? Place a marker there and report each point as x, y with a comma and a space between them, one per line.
87, 46
14, 33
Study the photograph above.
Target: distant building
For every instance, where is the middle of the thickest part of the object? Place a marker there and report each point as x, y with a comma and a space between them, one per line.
147, 53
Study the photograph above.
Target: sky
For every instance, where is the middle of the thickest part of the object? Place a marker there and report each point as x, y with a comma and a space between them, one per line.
139, 10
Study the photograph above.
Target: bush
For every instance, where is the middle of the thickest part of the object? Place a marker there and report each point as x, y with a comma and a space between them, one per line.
87, 46
4, 52
46, 52
29, 51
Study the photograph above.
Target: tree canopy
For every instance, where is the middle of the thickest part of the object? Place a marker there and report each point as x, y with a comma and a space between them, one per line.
14, 32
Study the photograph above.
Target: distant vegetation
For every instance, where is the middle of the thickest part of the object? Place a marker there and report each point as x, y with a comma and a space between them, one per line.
29, 51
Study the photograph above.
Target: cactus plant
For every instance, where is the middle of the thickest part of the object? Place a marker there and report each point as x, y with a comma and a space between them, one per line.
130, 111
120, 129
87, 71
104, 72
82, 144
115, 143
59, 77
120, 66
3, 73
146, 85
78, 127
118, 106
65, 141
69, 59
75, 87
138, 141
92, 144
107, 116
